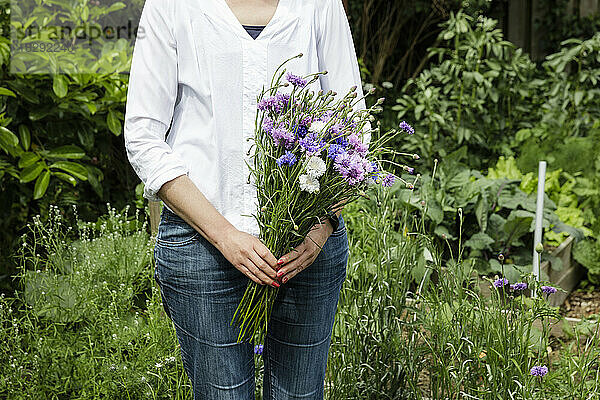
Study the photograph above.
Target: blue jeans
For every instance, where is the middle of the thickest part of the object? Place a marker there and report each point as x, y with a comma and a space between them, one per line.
201, 291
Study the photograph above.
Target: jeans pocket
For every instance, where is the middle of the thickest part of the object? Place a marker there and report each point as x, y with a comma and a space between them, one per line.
173, 231
341, 229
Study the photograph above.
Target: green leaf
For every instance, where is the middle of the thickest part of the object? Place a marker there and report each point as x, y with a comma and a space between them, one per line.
65, 177
114, 124
8, 140
434, 211
479, 241
41, 184
27, 159
577, 97
32, 172
73, 168
115, 7
68, 151
481, 212
517, 224
7, 92
25, 136
60, 85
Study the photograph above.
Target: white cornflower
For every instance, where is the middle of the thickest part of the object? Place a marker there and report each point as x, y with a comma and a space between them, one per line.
315, 167
317, 126
308, 183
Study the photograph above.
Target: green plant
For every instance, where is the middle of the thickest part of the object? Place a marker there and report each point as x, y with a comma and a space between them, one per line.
88, 321
479, 91
59, 132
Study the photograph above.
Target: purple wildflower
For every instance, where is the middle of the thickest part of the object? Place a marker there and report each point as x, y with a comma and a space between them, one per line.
406, 127
519, 286
295, 80
388, 180
300, 131
548, 289
352, 167
334, 150
539, 370
312, 144
288, 158
258, 349
500, 282
341, 140
277, 103
283, 137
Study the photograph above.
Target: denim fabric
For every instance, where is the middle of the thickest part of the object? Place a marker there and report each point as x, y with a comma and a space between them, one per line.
201, 291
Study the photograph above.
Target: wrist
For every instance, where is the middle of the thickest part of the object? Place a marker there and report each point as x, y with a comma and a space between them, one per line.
222, 235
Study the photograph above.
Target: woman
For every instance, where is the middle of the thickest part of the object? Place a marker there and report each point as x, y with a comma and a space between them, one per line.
196, 71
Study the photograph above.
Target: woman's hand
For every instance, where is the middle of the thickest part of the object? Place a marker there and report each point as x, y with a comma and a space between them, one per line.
306, 253
250, 256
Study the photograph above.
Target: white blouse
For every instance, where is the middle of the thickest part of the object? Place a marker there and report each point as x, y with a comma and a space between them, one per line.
195, 75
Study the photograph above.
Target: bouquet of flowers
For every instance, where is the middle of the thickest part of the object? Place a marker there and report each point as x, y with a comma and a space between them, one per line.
313, 153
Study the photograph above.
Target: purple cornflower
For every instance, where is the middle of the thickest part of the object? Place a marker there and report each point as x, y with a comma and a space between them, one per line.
267, 124
312, 144
519, 286
288, 158
375, 171
500, 282
341, 140
300, 131
357, 145
539, 370
352, 167
388, 180
548, 289
283, 137
277, 103
334, 150
258, 349
295, 80
406, 127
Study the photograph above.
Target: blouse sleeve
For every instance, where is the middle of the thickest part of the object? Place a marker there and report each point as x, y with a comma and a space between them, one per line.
151, 97
337, 55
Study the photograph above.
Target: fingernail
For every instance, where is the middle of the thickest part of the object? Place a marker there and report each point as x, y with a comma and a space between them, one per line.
285, 279
279, 262
275, 284
279, 273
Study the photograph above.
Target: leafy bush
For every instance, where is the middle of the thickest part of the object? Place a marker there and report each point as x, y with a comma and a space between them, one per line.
59, 133
478, 91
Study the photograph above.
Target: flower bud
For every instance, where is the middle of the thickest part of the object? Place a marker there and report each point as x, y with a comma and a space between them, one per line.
300, 55
416, 156
539, 248
380, 100
295, 227
372, 90
353, 88
500, 257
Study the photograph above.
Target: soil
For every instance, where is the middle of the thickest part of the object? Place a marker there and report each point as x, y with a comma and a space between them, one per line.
581, 304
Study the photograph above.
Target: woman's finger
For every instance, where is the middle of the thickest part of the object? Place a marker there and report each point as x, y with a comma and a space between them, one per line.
286, 258
244, 270
293, 265
265, 254
263, 266
300, 267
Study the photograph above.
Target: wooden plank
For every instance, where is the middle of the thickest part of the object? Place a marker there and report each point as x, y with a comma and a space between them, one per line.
588, 7
518, 23
154, 207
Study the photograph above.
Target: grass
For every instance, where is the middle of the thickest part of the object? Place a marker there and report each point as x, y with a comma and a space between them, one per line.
88, 322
